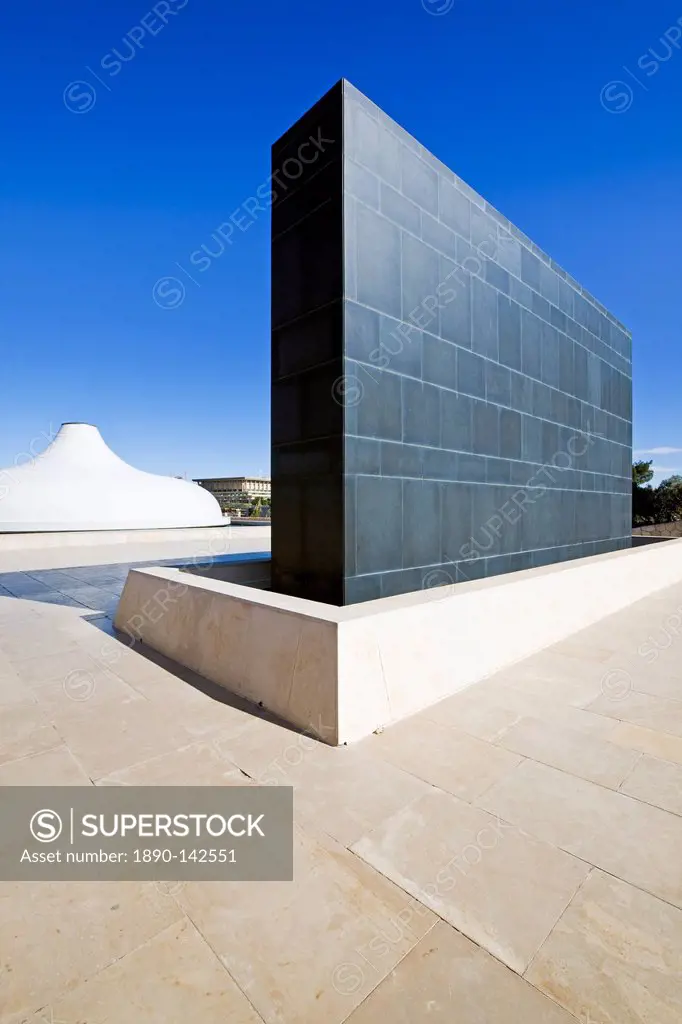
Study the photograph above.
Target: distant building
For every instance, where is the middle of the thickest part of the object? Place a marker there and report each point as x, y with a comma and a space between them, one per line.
237, 492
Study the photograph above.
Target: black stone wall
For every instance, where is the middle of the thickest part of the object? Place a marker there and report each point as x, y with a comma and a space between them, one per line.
447, 402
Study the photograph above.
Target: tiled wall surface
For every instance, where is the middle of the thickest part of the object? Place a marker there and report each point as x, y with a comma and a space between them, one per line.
447, 402
488, 421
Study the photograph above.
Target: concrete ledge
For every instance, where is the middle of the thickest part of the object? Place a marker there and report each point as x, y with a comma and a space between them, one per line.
32, 540
342, 672
201, 544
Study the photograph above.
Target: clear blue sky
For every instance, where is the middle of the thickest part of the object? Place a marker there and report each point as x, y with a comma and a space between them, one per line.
97, 206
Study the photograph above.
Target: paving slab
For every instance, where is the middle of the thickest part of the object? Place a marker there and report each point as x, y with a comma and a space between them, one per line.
476, 871
607, 829
614, 957
448, 978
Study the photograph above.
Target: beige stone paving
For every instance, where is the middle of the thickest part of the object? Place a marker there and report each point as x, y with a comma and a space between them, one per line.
615, 956
648, 741
443, 756
572, 751
285, 943
446, 979
344, 794
24, 729
512, 854
630, 839
476, 872
173, 978
202, 762
660, 713
656, 782
56, 767
54, 936
12, 691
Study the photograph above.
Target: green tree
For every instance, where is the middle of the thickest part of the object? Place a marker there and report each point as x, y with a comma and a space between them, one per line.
643, 497
642, 472
662, 504
668, 500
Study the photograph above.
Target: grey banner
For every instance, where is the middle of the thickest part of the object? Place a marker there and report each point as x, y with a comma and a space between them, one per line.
146, 833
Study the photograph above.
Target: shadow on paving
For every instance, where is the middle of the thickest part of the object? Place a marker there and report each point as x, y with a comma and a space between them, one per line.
97, 589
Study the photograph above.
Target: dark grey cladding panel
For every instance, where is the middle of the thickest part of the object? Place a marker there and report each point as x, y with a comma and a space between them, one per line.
401, 347
456, 421
307, 162
439, 362
362, 334
305, 405
509, 327
486, 434
497, 383
377, 261
454, 308
399, 209
420, 280
421, 522
373, 402
419, 182
305, 343
454, 208
370, 143
322, 457
457, 519
379, 524
420, 403
484, 322
308, 258
361, 184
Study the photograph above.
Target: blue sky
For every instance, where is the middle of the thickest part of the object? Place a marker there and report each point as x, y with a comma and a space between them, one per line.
564, 115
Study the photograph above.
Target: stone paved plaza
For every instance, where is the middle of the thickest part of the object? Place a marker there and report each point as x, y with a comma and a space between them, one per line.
509, 856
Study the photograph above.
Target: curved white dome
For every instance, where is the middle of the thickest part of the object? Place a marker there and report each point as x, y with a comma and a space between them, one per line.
78, 483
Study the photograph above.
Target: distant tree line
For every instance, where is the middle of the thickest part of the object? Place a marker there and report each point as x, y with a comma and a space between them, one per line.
662, 504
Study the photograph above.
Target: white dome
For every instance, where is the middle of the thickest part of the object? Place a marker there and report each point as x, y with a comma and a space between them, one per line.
78, 483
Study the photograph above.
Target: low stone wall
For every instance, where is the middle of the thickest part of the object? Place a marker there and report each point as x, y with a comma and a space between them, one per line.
246, 640
99, 538
658, 530
27, 552
342, 672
